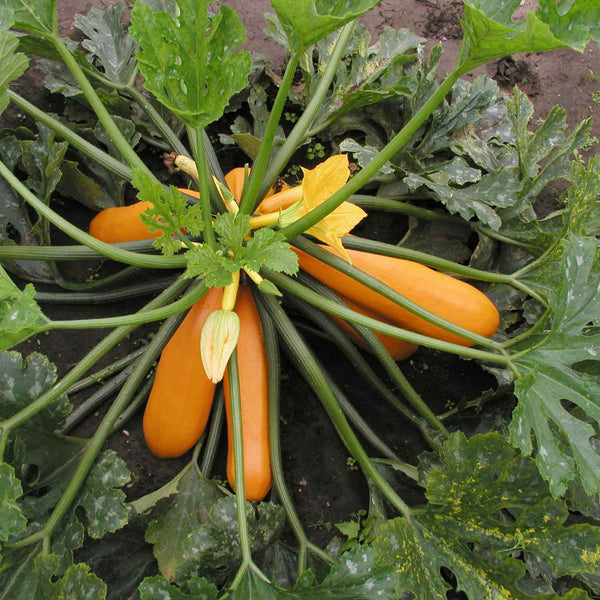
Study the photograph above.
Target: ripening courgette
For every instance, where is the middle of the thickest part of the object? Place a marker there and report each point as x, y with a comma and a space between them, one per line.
122, 224
445, 296
182, 395
254, 393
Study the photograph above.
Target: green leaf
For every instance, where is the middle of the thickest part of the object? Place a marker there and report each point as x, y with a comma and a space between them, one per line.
213, 265
35, 16
104, 505
76, 584
107, 41
471, 487
191, 62
195, 531
15, 227
550, 382
14, 64
491, 32
308, 21
495, 190
20, 315
12, 521
42, 158
268, 248
158, 588
170, 212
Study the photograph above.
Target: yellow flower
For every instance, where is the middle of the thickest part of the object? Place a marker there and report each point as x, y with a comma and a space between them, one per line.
218, 341
318, 185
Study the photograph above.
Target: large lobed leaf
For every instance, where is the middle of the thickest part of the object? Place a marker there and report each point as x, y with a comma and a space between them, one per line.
552, 383
36, 16
191, 62
14, 64
485, 501
307, 21
491, 32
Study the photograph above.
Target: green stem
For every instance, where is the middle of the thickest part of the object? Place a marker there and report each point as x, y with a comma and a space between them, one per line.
539, 324
168, 134
134, 405
89, 360
124, 293
372, 168
319, 384
298, 133
386, 291
102, 374
111, 128
97, 284
293, 287
334, 334
250, 194
107, 250
104, 430
157, 314
392, 369
238, 462
103, 158
395, 206
203, 186
274, 375
399, 465
214, 434
81, 411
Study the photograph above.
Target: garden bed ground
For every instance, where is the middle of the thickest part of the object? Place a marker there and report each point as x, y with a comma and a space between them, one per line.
326, 486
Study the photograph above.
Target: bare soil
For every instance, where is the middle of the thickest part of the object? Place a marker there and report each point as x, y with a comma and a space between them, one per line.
326, 486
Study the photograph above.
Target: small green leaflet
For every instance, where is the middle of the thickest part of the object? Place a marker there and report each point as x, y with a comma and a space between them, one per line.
191, 62
34, 16
550, 377
307, 21
491, 33
170, 213
107, 41
14, 64
12, 521
20, 315
266, 248
470, 487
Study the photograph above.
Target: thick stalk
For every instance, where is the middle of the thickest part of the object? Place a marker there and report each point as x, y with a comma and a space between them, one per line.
104, 430
88, 361
98, 284
392, 369
203, 186
293, 287
102, 374
135, 404
363, 177
79, 252
238, 462
250, 194
214, 434
124, 293
103, 158
318, 382
107, 250
272, 352
98, 107
298, 133
168, 134
386, 291
405, 208
157, 314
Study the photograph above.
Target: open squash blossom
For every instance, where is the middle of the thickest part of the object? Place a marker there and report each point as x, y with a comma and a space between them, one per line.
318, 185
218, 341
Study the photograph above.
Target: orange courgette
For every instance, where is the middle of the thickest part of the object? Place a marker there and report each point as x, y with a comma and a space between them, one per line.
182, 395
253, 374
122, 224
447, 297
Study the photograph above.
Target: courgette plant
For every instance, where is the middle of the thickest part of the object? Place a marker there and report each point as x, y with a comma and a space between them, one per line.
508, 513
